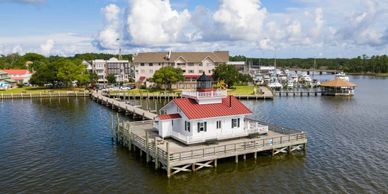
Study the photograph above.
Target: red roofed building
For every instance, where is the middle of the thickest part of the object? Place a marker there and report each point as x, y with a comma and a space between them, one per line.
19, 75
206, 114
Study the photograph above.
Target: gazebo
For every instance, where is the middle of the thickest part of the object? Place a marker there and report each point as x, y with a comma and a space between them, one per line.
338, 87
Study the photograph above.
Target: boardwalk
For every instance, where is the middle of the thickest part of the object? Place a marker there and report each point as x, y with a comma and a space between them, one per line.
175, 157
97, 96
298, 93
44, 95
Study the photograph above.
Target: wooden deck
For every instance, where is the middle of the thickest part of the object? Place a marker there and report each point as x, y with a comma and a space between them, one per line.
122, 106
298, 93
176, 157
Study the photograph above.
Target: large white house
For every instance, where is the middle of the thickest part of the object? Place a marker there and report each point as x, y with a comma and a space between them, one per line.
205, 115
193, 64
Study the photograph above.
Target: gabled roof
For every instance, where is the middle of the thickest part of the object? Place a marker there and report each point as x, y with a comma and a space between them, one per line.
193, 110
16, 71
338, 83
190, 57
169, 116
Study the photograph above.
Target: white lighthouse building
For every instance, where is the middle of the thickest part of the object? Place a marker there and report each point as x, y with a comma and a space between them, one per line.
206, 114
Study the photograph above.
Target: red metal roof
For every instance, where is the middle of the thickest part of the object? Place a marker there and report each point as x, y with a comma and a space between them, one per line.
142, 78
191, 76
193, 110
16, 71
169, 116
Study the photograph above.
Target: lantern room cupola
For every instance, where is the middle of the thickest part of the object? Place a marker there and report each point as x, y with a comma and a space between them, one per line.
204, 83
205, 93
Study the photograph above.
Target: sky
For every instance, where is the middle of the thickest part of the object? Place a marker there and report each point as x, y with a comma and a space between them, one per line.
254, 28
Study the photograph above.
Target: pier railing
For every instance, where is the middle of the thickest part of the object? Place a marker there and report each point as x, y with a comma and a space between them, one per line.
209, 94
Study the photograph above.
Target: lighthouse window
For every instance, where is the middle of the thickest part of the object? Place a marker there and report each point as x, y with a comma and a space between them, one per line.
187, 126
202, 126
218, 124
235, 123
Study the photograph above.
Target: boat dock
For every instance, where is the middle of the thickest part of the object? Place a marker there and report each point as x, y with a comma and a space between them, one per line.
297, 93
175, 157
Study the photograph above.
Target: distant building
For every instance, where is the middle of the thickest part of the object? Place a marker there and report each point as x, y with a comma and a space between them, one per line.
193, 64
19, 75
121, 69
241, 66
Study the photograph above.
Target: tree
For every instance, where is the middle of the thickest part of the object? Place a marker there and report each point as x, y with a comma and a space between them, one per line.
45, 73
111, 79
228, 73
167, 76
93, 78
69, 71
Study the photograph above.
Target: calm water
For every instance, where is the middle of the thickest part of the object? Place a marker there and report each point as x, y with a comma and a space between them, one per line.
64, 146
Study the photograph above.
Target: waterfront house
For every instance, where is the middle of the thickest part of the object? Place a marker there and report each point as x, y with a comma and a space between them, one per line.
338, 87
206, 115
193, 64
18, 75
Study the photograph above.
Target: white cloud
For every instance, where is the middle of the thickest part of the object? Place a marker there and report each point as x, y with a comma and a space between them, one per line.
109, 37
333, 28
47, 47
241, 20
154, 22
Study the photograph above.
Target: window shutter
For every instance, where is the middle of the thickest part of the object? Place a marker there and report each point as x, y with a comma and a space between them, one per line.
198, 127
205, 126
238, 122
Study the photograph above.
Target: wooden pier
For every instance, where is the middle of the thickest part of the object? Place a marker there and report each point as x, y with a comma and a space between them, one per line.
175, 157
297, 93
44, 95
122, 106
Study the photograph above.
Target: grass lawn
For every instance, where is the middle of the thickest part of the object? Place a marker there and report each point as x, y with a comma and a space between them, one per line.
38, 90
241, 90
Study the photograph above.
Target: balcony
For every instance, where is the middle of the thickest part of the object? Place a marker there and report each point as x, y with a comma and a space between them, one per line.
205, 95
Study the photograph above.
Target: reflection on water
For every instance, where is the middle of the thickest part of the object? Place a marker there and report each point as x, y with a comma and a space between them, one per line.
63, 145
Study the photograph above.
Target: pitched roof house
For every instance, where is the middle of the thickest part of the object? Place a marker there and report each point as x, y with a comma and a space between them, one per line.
206, 114
193, 64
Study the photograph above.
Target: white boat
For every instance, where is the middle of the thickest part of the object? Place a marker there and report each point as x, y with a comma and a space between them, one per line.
342, 76
290, 84
275, 85
306, 78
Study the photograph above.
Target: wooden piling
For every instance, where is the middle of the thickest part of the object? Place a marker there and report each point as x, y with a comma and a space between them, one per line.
147, 147
156, 154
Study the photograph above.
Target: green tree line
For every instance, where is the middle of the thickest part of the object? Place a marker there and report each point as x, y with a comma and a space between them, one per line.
360, 64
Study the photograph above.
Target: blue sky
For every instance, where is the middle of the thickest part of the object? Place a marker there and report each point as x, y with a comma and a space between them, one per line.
257, 28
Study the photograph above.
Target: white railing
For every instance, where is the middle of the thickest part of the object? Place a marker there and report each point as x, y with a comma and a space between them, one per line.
210, 94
